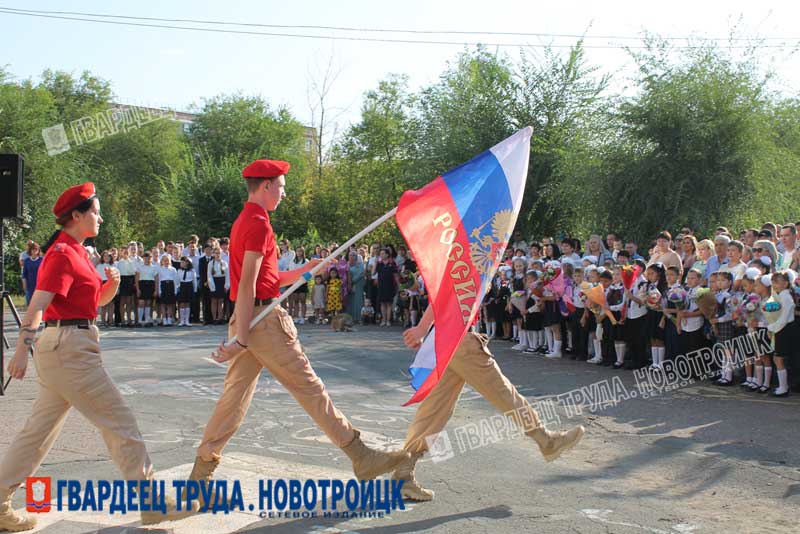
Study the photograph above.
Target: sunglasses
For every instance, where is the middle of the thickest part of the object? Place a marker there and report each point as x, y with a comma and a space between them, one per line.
759, 249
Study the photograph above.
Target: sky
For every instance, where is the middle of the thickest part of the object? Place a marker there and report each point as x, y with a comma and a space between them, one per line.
177, 68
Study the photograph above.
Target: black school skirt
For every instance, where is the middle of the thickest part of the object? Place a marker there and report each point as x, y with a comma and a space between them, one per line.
126, 285
651, 325
186, 292
147, 289
167, 292
786, 341
219, 287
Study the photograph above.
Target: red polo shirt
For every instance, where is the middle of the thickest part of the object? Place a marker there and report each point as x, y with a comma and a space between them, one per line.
252, 231
68, 272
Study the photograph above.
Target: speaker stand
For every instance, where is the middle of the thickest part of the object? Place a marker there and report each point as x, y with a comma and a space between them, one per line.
5, 299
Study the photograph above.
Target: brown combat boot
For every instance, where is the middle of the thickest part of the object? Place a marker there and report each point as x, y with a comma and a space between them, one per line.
172, 514
411, 491
10, 520
369, 463
202, 471
554, 444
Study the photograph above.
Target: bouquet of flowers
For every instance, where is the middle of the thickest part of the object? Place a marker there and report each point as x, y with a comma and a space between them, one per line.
596, 297
677, 296
629, 275
745, 309
707, 304
550, 273
519, 300
653, 299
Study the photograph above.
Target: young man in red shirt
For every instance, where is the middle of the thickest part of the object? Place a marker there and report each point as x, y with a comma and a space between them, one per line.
272, 344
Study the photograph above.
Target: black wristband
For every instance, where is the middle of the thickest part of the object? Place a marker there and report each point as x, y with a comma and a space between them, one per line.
241, 344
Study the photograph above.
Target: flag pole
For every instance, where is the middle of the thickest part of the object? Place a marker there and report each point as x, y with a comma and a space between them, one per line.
310, 274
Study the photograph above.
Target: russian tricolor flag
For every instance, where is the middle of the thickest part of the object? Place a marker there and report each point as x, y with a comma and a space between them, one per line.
458, 227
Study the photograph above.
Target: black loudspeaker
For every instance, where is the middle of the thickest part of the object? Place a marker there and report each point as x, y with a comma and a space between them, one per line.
11, 167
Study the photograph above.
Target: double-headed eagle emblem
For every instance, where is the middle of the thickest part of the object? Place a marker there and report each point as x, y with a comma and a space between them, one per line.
486, 248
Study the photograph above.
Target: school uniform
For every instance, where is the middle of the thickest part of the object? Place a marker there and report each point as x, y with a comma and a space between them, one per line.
167, 277
218, 278
671, 338
692, 336
785, 330
653, 318
187, 285
724, 315
580, 334
635, 332
613, 333
147, 281
127, 277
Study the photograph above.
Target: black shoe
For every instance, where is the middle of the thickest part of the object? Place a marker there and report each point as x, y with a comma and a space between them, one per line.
763, 389
723, 383
618, 365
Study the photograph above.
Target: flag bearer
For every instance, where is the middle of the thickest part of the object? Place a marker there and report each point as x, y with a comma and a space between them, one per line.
273, 343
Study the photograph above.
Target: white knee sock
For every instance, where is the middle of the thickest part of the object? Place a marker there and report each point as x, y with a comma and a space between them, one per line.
620, 348
514, 333
539, 338
662, 352
523, 339
548, 334
654, 352
757, 374
569, 339
598, 348
767, 376
783, 381
141, 315
532, 339
556, 346
147, 314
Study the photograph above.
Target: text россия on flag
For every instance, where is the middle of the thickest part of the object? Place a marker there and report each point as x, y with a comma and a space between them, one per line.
458, 227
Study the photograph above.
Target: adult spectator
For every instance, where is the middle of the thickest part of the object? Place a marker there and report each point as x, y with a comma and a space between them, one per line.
568, 253
720, 257
688, 251
517, 241
663, 253
355, 297
596, 248
789, 242
632, 249
30, 269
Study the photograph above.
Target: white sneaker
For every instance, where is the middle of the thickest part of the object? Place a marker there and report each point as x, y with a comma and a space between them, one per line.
553, 355
594, 360
301, 320
519, 346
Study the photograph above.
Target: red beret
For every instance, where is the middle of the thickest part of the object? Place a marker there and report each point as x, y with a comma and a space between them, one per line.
69, 199
266, 168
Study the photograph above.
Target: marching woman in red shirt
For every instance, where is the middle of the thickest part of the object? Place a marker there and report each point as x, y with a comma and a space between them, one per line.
68, 362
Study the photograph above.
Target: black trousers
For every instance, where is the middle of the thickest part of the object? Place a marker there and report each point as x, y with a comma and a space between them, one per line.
205, 295
637, 340
580, 335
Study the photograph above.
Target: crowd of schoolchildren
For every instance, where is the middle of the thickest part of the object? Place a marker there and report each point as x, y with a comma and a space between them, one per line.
599, 301
608, 305
172, 284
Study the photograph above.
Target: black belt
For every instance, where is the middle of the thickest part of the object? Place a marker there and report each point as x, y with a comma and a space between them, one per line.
264, 302
70, 322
